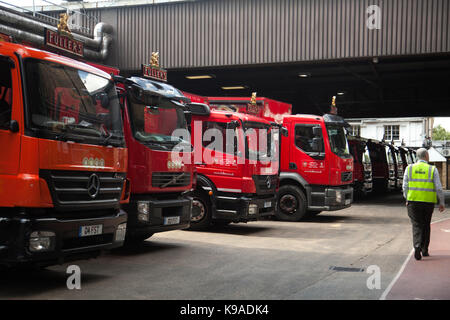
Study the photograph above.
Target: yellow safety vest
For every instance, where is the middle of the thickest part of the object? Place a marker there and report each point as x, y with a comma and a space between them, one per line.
420, 183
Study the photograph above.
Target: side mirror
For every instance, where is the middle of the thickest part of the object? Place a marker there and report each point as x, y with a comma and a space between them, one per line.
13, 126
317, 144
104, 101
284, 131
233, 124
317, 131
188, 116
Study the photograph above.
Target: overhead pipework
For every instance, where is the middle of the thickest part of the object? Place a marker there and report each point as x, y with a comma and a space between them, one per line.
23, 27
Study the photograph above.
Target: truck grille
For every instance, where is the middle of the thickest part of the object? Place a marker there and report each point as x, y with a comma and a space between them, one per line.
346, 176
170, 179
265, 183
75, 190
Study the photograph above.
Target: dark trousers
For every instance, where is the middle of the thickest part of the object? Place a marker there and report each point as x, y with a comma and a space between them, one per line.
420, 214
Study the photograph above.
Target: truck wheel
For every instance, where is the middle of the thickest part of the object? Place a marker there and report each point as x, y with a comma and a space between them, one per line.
201, 211
291, 204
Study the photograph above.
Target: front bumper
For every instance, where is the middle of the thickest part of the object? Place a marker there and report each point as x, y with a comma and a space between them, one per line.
68, 244
399, 183
363, 187
178, 208
329, 198
235, 207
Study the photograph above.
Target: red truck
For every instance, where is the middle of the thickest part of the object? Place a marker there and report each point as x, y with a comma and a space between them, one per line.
152, 111
395, 158
362, 165
316, 166
238, 182
64, 161
383, 157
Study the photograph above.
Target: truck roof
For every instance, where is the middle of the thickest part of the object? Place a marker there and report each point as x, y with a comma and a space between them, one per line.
299, 116
30, 52
158, 88
241, 116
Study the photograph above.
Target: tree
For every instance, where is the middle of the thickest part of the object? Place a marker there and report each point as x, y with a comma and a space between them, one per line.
439, 133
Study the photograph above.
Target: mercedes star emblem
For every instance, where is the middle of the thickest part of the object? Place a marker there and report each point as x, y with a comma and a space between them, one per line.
268, 182
93, 186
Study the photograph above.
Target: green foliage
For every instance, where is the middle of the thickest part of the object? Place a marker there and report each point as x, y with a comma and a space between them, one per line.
439, 133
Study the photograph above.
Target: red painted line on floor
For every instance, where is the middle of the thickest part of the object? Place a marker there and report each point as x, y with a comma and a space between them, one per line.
428, 278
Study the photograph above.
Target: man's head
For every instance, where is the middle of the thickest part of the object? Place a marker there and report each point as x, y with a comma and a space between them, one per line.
422, 154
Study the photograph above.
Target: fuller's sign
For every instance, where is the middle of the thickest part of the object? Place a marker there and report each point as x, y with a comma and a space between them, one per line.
63, 42
154, 73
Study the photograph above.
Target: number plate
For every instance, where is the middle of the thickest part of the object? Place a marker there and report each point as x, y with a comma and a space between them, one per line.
347, 201
86, 231
171, 220
267, 204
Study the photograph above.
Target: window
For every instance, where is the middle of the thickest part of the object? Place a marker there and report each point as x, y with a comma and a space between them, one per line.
304, 138
5, 95
355, 130
72, 104
219, 129
391, 133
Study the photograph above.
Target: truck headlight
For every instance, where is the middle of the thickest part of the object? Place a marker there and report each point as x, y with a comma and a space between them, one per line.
41, 241
252, 209
121, 232
338, 196
143, 208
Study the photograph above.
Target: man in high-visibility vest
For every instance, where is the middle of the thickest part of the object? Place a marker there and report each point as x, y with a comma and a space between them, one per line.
422, 189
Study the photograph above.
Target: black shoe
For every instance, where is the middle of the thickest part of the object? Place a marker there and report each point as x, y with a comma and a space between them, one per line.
425, 253
417, 254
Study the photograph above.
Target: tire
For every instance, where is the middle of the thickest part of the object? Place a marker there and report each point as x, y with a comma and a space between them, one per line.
291, 204
201, 211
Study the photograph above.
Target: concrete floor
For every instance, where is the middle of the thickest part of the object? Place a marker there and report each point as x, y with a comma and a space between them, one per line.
258, 260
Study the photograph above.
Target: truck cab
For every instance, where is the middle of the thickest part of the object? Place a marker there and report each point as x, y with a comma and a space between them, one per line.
160, 179
392, 162
64, 161
362, 165
316, 167
315, 176
237, 173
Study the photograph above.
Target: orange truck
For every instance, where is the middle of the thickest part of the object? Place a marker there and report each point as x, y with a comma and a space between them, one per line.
63, 161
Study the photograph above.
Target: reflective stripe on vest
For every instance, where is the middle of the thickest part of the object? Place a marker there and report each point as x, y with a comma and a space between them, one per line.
420, 183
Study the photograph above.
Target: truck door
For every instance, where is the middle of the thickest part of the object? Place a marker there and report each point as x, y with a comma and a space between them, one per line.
10, 107
221, 166
305, 158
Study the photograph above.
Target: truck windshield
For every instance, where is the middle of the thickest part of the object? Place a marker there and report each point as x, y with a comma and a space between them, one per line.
390, 155
154, 120
338, 140
70, 104
260, 141
366, 156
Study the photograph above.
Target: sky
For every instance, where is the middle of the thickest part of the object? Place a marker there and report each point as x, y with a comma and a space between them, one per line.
443, 121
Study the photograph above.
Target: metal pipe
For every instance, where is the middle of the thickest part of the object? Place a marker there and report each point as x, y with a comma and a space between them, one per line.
38, 39
33, 31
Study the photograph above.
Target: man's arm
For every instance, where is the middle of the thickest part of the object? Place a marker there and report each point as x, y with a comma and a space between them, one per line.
405, 182
439, 190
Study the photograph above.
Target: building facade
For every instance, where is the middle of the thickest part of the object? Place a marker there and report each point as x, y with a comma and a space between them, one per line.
409, 132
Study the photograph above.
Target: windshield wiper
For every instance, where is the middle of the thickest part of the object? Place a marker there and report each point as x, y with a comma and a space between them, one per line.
106, 139
65, 136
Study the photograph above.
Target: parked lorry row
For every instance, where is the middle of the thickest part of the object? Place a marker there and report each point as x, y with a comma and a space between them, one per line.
316, 168
93, 160
379, 166
88, 161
